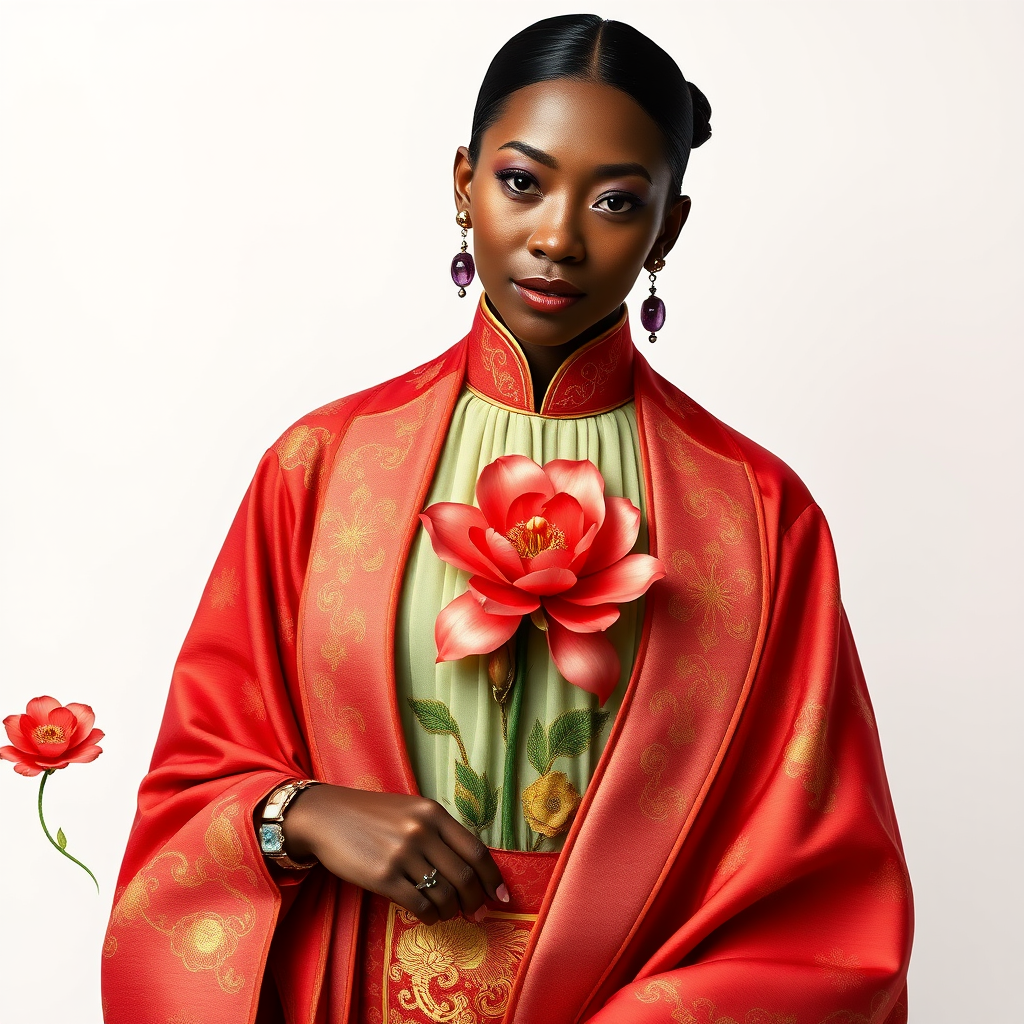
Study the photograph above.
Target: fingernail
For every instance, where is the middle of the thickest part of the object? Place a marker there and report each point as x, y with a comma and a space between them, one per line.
502, 893
480, 914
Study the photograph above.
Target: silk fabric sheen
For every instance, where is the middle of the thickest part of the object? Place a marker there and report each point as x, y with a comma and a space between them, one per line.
735, 858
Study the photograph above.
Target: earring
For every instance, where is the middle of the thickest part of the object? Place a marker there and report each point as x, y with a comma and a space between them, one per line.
463, 267
652, 312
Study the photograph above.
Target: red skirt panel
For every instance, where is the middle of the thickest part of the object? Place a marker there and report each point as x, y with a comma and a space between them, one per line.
457, 971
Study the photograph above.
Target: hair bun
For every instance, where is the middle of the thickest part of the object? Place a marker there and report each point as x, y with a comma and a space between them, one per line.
701, 116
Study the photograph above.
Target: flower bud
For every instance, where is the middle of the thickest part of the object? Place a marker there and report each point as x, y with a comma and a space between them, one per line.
501, 670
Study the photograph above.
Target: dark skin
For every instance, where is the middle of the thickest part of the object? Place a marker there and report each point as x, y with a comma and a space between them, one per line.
584, 195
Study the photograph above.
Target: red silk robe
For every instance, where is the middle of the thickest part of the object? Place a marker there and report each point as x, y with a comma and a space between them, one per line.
735, 860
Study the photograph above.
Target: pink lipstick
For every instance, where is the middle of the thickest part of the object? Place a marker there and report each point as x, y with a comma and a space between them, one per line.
548, 295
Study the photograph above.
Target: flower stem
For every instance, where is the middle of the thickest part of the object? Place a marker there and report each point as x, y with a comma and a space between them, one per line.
509, 794
55, 844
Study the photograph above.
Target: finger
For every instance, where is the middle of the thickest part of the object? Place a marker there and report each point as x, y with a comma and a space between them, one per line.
406, 895
458, 873
441, 894
476, 855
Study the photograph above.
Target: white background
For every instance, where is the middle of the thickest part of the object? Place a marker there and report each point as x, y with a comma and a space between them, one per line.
217, 216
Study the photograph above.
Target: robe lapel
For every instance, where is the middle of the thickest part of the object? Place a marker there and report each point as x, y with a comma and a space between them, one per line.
368, 514
378, 482
703, 630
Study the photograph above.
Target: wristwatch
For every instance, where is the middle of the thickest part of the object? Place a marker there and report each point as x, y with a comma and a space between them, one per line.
271, 829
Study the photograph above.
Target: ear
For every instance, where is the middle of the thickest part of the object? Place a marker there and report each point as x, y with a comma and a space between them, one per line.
674, 221
463, 173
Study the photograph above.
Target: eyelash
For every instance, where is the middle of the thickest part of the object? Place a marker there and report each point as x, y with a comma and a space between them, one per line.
506, 176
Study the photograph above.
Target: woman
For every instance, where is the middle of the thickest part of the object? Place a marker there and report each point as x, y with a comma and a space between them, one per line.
486, 777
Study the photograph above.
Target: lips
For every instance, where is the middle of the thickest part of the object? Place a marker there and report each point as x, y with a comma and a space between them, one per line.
547, 294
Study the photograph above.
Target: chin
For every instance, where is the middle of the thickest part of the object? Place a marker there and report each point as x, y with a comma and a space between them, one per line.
542, 328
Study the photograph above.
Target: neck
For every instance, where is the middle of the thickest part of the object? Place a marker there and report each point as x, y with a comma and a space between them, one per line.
544, 360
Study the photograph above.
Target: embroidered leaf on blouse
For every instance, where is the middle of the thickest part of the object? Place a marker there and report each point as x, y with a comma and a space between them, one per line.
537, 748
475, 798
434, 716
572, 732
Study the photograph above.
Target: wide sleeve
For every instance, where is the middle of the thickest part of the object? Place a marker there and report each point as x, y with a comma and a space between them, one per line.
196, 905
793, 903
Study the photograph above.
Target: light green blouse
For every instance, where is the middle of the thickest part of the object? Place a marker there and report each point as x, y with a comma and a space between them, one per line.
450, 718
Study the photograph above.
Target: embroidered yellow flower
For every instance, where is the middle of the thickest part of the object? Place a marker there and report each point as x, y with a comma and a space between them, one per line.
550, 803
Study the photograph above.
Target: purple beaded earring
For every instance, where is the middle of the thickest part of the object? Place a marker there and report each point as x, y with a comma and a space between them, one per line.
652, 312
463, 267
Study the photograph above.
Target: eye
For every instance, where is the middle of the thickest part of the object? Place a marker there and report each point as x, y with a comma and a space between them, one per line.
619, 202
518, 183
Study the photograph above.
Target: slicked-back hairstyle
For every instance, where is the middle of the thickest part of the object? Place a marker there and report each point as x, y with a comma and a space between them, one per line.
589, 48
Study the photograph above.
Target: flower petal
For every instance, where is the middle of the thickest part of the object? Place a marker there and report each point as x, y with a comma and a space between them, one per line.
546, 581
559, 558
463, 627
503, 554
502, 481
583, 480
624, 580
85, 716
82, 755
587, 660
448, 524
581, 554
478, 538
39, 708
581, 618
567, 514
616, 536
25, 768
91, 740
13, 754
524, 507
19, 730
501, 599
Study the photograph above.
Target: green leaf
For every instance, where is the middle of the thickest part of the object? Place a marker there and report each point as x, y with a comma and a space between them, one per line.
475, 798
490, 802
572, 732
434, 716
62, 840
537, 747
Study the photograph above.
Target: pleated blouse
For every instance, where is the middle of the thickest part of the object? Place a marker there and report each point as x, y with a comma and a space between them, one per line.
449, 713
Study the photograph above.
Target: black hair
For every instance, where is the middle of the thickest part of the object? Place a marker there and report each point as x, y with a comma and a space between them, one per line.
587, 47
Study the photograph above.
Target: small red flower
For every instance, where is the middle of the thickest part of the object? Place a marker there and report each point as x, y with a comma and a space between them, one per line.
544, 542
50, 736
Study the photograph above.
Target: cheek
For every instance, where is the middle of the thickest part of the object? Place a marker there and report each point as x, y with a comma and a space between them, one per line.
499, 226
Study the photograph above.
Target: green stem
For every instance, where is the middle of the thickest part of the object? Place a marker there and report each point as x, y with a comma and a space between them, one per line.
509, 789
55, 844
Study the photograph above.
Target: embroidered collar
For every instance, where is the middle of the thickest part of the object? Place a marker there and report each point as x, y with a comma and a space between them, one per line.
597, 377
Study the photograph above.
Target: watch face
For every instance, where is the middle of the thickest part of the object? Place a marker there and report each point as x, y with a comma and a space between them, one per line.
271, 838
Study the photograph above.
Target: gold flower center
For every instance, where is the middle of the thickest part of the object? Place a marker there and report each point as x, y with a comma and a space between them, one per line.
48, 734
532, 536
207, 935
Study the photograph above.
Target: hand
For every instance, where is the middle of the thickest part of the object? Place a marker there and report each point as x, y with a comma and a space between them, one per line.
387, 842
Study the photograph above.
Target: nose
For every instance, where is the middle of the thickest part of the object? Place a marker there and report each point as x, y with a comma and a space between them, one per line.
556, 236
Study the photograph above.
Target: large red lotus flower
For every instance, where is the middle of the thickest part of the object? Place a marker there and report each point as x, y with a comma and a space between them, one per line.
50, 736
544, 542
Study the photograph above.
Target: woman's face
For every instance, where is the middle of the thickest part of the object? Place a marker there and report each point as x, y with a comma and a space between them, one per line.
570, 198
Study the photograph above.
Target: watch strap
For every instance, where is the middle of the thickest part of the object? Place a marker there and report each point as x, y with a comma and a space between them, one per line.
271, 833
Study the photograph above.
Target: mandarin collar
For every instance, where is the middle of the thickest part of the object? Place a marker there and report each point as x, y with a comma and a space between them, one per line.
597, 377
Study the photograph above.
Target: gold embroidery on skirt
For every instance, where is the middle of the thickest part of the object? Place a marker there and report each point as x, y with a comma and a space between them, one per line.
452, 972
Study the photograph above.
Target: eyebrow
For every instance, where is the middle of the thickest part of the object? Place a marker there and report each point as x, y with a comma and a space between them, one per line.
603, 171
